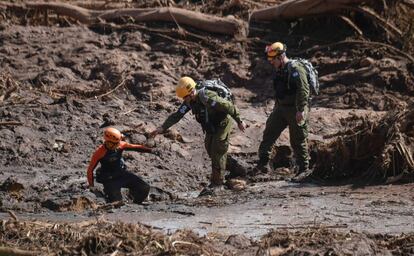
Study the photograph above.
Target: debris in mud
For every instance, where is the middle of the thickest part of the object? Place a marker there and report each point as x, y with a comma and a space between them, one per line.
119, 238
78, 204
322, 241
236, 184
86, 237
371, 152
61, 79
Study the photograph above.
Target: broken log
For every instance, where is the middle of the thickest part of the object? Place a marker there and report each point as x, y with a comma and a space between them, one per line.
347, 74
292, 9
209, 23
7, 251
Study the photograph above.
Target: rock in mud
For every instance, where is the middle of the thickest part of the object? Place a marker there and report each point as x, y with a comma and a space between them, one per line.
77, 204
175, 147
366, 62
239, 241
11, 185
236, 184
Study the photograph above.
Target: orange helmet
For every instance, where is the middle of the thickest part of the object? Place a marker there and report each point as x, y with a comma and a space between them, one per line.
112, 135
274, 50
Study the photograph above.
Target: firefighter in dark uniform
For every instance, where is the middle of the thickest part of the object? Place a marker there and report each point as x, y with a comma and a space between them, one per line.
213, 113
113, 172
291, 110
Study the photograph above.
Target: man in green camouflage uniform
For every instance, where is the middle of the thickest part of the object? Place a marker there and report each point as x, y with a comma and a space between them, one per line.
291, 110
213, 113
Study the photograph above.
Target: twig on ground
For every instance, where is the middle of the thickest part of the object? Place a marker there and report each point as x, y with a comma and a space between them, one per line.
5, 123
11, 213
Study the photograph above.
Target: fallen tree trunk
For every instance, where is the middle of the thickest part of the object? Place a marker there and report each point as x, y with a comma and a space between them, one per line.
7, 251
209, 23
292, 9
347, 74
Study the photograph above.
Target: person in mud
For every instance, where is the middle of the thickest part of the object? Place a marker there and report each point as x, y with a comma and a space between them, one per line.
112, 172
291, 110
213, 112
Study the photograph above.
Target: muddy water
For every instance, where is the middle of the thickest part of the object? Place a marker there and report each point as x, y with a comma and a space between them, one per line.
270, 205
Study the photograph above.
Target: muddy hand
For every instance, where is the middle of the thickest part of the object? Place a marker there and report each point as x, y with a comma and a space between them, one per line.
300, 116
242, 126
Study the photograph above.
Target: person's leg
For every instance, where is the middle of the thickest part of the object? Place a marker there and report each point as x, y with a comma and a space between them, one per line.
218, 152
235, 168
299, 142
112, 190
138, 188
275, 125
207, 143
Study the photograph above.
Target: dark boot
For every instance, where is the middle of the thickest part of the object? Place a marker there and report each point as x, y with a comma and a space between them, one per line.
261, 167
216, 184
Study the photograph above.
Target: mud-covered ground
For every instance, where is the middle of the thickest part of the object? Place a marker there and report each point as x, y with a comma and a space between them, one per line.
62, 84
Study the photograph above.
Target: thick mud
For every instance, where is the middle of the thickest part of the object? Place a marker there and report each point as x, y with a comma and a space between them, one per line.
61, 84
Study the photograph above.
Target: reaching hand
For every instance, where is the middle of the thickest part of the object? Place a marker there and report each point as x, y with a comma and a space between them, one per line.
242, 126
300, 116
156, 132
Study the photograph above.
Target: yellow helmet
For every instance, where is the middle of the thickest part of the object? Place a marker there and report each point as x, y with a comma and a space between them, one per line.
185, 86
275, 49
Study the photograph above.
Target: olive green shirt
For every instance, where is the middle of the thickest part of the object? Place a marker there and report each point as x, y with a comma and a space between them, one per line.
293, 75
208, 106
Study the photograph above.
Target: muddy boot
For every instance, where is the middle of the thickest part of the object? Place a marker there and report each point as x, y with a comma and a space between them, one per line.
216, 183
211, 190
303, 176
261, 167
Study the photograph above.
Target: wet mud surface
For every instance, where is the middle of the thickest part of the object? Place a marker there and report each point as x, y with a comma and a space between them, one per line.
60, 86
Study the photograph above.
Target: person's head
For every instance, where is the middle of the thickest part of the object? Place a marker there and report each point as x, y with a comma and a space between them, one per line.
112, 138
276, 54
186, 89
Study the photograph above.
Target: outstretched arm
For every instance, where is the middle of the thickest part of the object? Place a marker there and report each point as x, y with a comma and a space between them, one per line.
134, 147
172, 119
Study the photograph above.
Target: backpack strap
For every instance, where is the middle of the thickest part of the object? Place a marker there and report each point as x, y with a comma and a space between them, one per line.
204, 99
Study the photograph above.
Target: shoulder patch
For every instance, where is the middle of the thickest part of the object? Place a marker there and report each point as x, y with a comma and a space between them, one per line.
183, 109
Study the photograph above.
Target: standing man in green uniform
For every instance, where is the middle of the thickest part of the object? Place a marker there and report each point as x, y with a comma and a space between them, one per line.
291, 110
213, 113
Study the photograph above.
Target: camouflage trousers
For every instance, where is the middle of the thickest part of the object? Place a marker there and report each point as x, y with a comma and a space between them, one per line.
279, 119
217, 145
